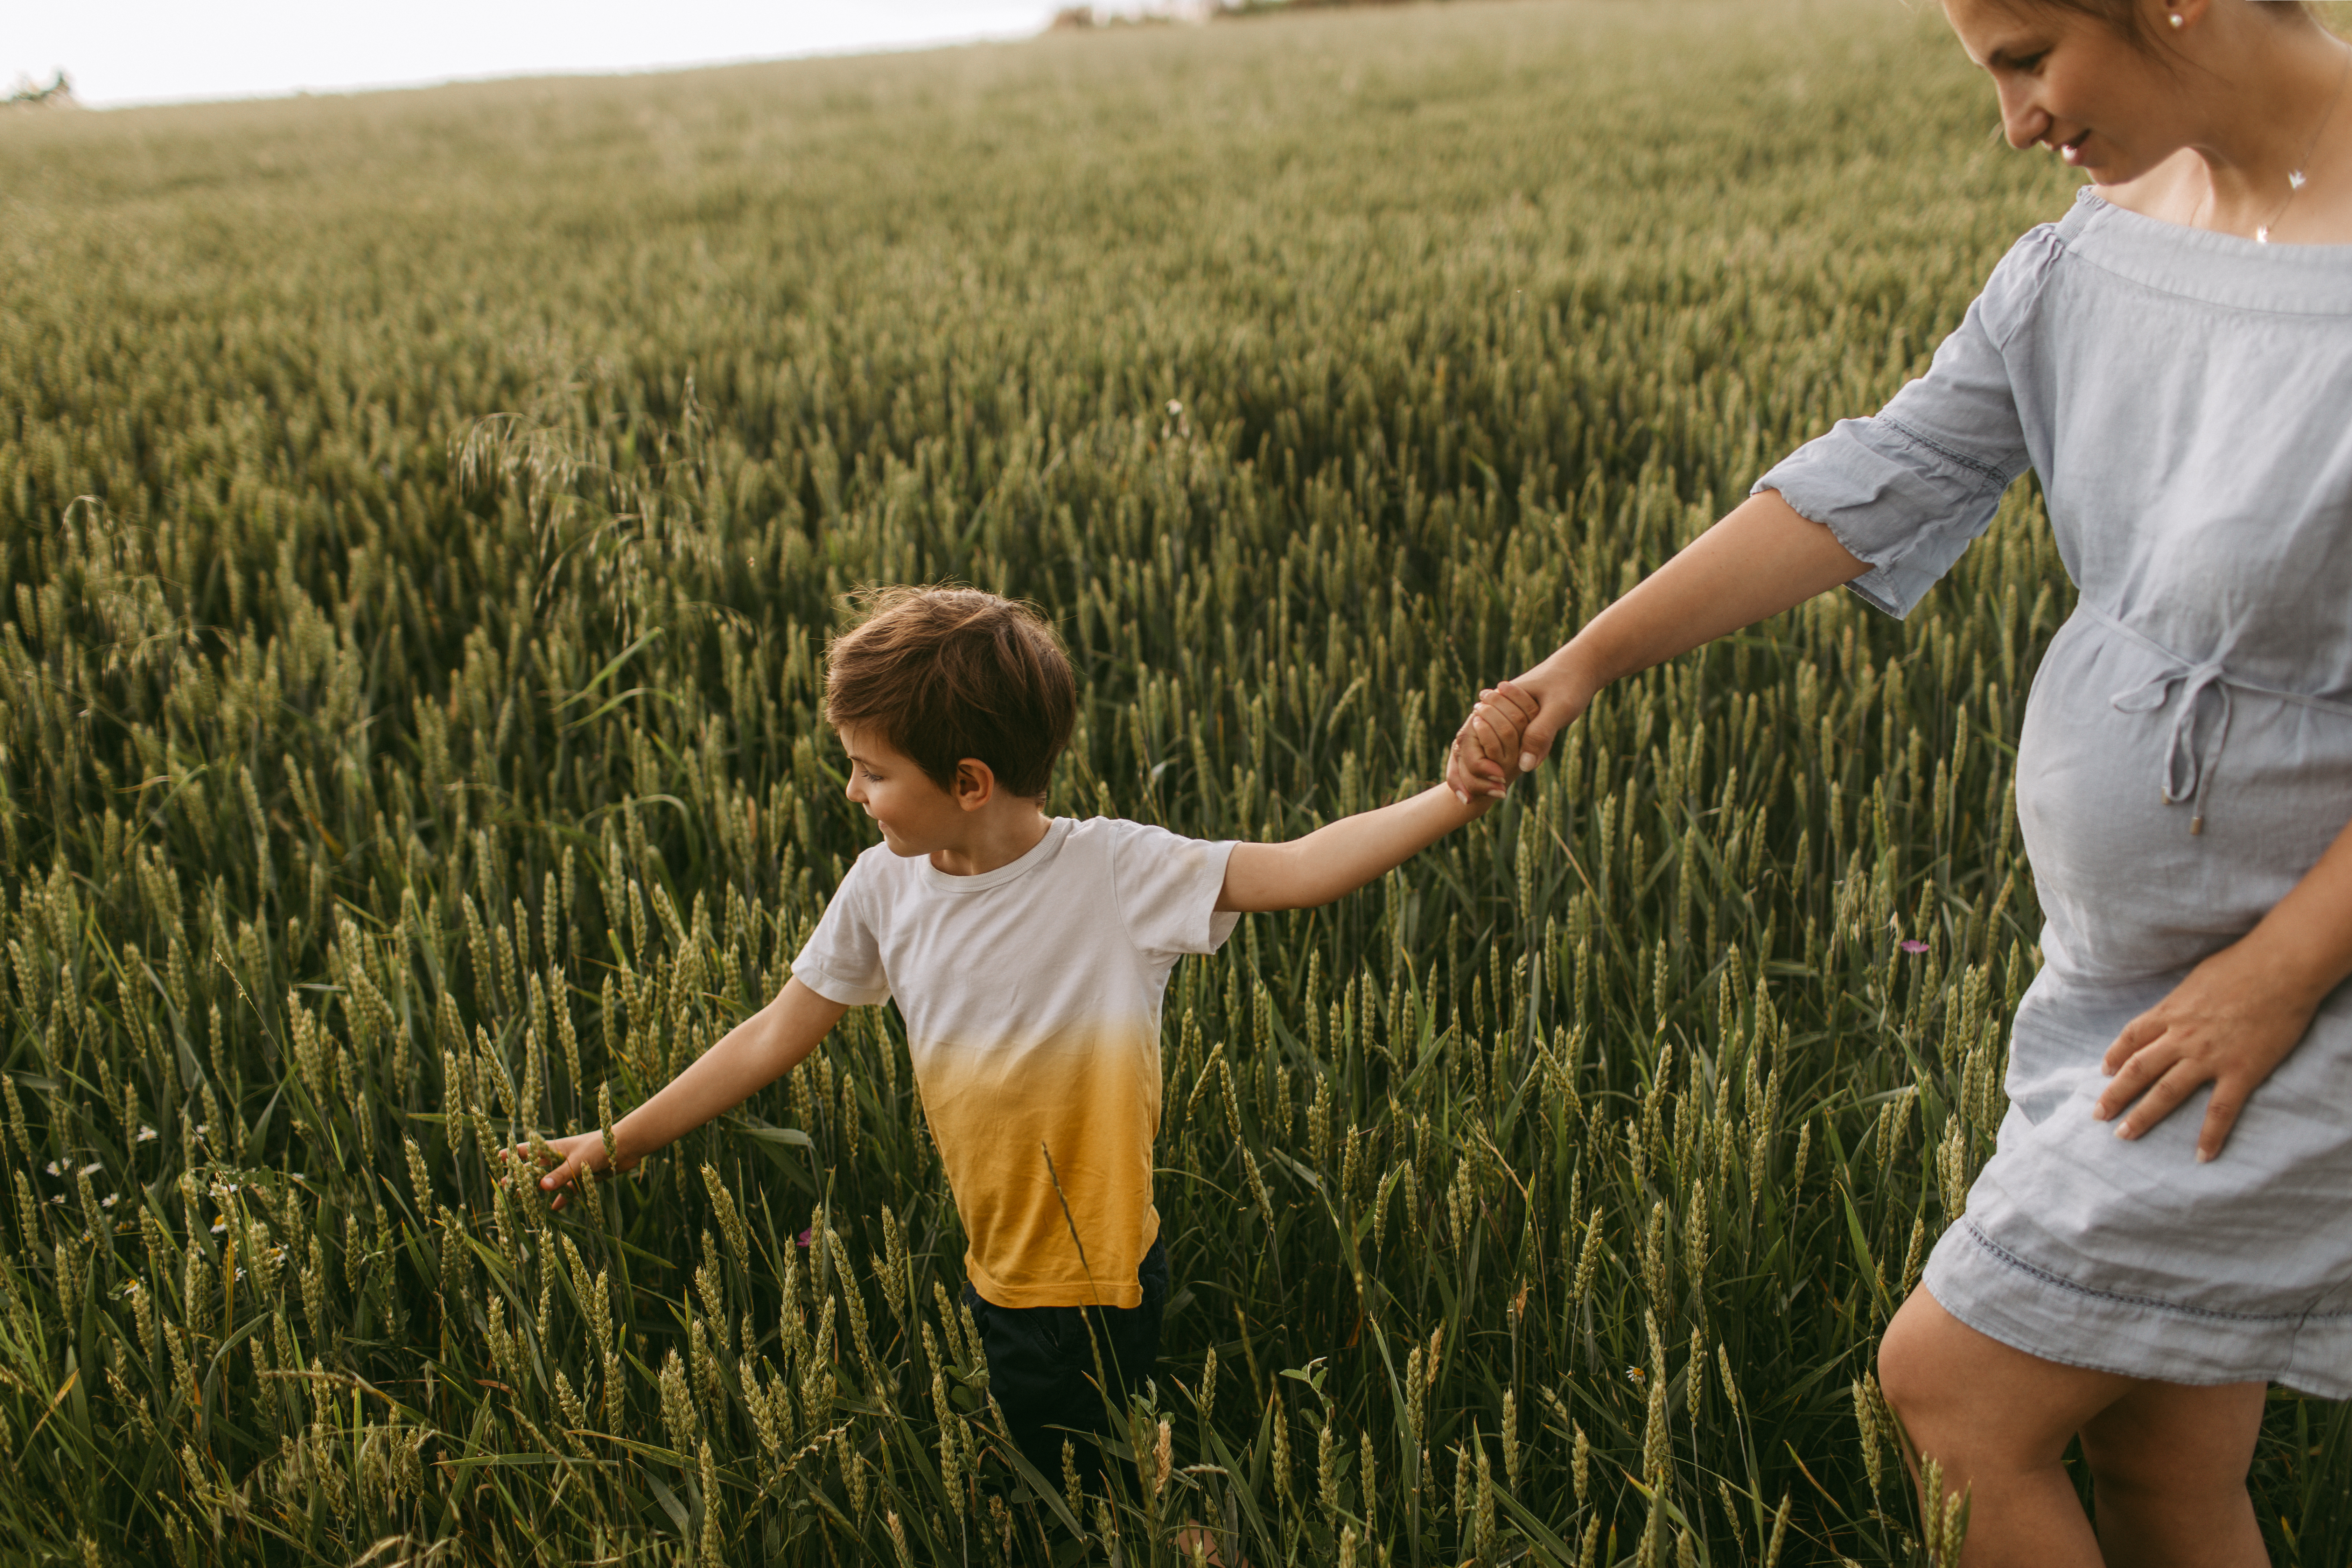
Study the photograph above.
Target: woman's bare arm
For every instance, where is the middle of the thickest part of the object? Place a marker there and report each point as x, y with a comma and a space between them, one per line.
1762, 558
2240, 1013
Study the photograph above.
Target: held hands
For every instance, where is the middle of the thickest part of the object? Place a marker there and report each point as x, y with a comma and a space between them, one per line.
2229, 1023
582, 1154
1509, 732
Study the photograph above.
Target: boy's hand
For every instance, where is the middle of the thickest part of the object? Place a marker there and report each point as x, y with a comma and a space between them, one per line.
582, 1154
748, 1057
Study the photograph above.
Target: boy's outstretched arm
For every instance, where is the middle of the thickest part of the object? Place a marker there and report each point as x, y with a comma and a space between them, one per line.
749, 1056
1340, 857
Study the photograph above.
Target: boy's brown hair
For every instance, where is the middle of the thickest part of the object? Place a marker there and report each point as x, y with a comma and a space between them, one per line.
943, 674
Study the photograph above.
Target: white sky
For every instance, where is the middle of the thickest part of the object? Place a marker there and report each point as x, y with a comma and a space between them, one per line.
145, 51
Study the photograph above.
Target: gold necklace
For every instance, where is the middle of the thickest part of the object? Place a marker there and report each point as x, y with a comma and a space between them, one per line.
2295, 177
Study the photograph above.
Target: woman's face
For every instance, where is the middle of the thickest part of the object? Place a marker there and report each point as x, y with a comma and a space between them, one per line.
2069, 82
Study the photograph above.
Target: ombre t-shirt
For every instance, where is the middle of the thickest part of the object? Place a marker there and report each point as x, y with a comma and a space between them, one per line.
1031, 996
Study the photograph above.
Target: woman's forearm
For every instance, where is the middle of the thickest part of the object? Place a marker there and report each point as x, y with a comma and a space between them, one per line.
2306, 941
1762, 558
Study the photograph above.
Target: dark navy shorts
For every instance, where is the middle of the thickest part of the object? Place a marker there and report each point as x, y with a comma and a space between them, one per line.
1042, 1365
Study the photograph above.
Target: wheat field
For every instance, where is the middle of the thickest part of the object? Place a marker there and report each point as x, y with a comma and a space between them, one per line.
421, 520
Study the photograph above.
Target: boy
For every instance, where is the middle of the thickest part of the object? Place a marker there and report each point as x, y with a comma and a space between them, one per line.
1028, 956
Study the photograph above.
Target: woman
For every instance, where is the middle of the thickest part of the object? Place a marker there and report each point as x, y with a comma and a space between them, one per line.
2175, 361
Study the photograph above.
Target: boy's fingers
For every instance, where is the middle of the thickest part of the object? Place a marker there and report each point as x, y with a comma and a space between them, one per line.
1458, 777
1490, 769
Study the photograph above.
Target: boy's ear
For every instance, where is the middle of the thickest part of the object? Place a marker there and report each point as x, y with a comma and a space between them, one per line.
975, 784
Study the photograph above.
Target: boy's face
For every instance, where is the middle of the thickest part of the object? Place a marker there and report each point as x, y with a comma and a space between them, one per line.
916, 815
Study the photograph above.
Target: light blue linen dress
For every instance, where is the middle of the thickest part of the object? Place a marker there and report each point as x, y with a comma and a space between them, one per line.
2186, 756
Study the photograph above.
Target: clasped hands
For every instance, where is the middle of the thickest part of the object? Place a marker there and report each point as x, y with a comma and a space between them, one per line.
1510, 729
2229, 1023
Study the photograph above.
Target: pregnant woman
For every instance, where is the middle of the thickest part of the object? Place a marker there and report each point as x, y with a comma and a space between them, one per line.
2165, 1225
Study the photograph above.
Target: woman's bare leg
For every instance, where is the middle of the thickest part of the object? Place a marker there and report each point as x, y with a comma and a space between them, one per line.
2168, 1468
2168, 1462
1999, 1421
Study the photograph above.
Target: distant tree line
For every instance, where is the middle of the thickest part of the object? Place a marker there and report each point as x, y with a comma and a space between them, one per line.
1158, 12
30, 94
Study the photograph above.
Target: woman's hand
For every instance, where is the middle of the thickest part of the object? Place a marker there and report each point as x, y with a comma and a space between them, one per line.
1510, 729
1476, 763
582, 1154
2241, 1012
2229, 1023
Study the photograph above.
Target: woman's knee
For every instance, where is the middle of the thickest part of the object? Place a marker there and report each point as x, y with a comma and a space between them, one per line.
1916, 1369
1958, 1390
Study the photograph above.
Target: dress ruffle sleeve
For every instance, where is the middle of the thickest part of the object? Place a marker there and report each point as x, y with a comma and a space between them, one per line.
1907, 490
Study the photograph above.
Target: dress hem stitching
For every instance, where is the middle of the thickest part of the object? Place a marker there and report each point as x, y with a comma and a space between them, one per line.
2002, 1255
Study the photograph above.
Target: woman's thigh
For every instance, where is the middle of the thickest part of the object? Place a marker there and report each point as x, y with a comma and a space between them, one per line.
1974, 1404
2166, 1440
1990, 1404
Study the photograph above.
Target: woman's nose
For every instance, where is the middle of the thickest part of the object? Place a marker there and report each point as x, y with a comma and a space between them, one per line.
2022, 121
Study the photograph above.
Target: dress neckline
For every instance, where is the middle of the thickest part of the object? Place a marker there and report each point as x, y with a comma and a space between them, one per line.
2198, 264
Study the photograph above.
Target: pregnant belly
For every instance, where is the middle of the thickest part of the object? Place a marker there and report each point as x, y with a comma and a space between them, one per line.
2128, 889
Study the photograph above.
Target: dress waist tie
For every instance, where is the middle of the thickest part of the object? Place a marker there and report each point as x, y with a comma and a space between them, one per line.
2189, 769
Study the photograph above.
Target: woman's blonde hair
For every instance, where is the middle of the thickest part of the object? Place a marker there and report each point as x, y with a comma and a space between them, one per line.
2124, 16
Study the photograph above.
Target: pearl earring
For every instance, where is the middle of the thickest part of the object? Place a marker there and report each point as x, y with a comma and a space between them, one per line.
2177, 19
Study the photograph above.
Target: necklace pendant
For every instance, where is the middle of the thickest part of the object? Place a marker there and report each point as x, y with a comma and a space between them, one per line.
2262, 235
2295, 180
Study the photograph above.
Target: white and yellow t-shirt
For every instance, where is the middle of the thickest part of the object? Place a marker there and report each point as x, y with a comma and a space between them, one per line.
1031, 996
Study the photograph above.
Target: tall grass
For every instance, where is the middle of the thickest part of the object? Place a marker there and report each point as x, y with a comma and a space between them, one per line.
423, 516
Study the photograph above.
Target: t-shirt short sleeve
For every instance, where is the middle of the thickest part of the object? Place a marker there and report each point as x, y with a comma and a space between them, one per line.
1907, 490
842, 960
1167, 887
